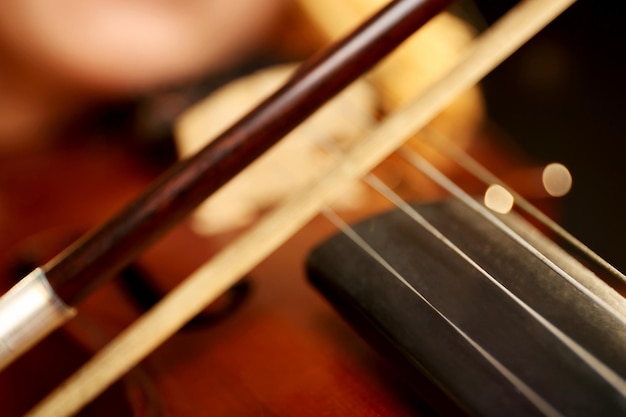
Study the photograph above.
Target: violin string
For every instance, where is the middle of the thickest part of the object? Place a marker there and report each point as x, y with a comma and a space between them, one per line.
531, 395
375, 183
603, 370
434, 174
435, 139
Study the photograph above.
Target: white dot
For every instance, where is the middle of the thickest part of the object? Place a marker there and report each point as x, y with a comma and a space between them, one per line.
557, 179
498, 199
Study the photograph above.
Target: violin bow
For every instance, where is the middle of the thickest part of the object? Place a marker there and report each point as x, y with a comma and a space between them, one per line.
497, 43
44, 300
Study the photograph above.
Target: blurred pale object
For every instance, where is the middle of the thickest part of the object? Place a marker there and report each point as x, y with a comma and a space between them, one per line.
60, 57
557, 179
499, 199
290, 164
128, 46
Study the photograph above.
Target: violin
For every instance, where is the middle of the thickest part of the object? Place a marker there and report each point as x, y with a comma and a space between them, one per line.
232, 400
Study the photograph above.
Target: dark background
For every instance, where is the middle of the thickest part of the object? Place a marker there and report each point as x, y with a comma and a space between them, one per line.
562, 98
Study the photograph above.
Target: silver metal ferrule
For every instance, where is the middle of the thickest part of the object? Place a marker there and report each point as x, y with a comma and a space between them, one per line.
28, 312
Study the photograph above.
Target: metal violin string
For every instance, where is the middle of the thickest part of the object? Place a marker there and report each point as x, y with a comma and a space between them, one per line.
421, 164
472, 166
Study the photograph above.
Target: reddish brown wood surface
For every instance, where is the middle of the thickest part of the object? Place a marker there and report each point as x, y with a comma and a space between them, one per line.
284, 352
